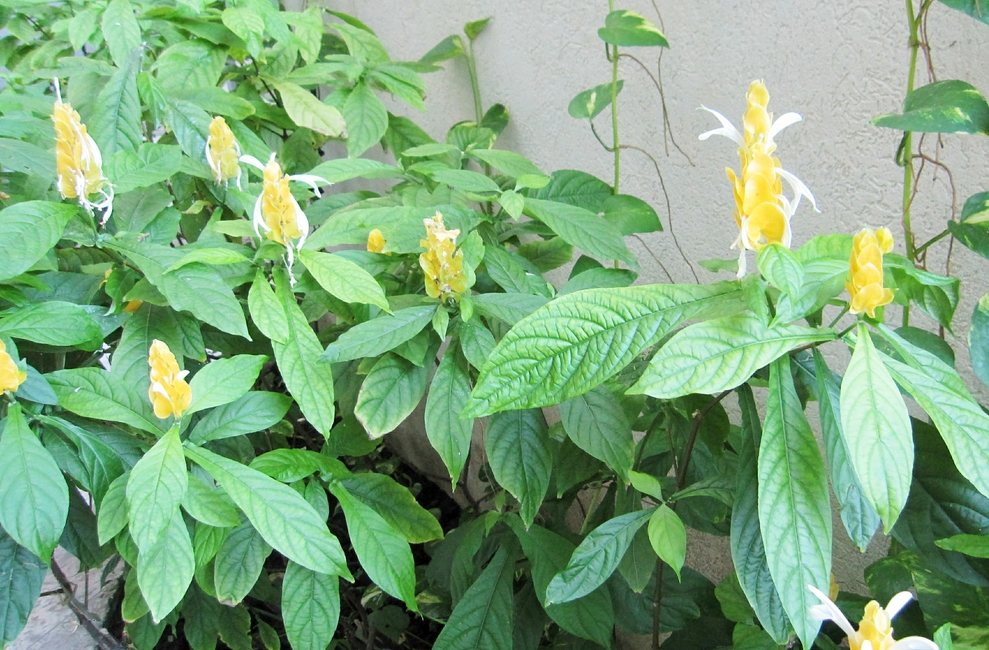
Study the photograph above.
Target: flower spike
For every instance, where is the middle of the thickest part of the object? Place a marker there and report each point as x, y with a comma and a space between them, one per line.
78, 161
223, 152
875, 632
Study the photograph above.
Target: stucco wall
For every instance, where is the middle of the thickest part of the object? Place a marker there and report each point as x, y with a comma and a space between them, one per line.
837, 63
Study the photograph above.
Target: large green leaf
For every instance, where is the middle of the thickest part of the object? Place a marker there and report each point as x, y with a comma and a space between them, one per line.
155, 489
448, 433
579, 340
344, 279
936, 295
509, 308
200, 290
517, 166
366, 119
255, 411
190, 124
782, 268
630, 215
747, 550
859, 517
190, 65
120, 30
116, 120
629, 29
20, 156
668, 537
266, 311
309, 381
482, 619
575, 188
113, 516
344, 169
28, 231
596, 558
224, 380
383, 552
34, 502
95, 393
239, 563
582, 228
308, 112
164, 571
596, 422
210, 505
379, 335
949, 106
720, 354
151, 164
103, 451
285, 520
21, 576
389, 394
51, 323
395, 504
876, 428
310, 607
519, 450
794, 506
973, 8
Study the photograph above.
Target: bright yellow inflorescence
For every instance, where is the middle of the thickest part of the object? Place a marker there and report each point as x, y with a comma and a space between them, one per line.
865, 283
876, 628
169, 392
442, 263
376, 241
279, 209
78, 160
10, 375
223, 152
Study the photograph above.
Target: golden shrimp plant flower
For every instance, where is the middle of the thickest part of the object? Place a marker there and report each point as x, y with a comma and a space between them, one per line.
223, 152
375, 241
11, 376
865, 276
442, 263
762, 211
276, 211
169, 392
875, 632
78, 162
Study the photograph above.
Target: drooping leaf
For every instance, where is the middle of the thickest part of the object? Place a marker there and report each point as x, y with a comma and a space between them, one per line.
255, 411
390, 392
581, 228
972, 228
519, 450
395, 504
120, 30
95, 393
596, 423
116, 120
238, 563
379, 335
28, 231
224, 380
344, 279
448, 433
164, 571
51, 323
668, 537
794, 507
113, 515
978, 339
21, 576
155, 489
200, 290
631, 215
308, 112
948, 106
310, 607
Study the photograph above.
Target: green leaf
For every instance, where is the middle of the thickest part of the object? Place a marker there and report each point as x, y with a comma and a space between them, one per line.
720, 354
878, 438
151, 164
116, 120
210, 505
239, 563
255, 411
794, 506
629, 29
308, 380
190, 66
949, 106
474, 28
596, 423
936, 295
747, 550
344, 279
383, 552
517, 166
21, 576
190, 124
200, 290
631, 215
449, 48
973, 545
308, 112
180, 332
20, 156
448, 433
285, 520
859, 517
508, 308
781, 267
95, 393
971, 228
113, 516
482, 619
389, 394
155, 489
465, 180
366, 119
596, 558
518, 447
120, 31
379, 335
34, 502
310, 607
395, 504
266, 311
977, 10
589, 103
582, 228
978, 339
164, 571
51, 323
668, 537
28, 231
246, 24
224, 380
541, 361
345, 169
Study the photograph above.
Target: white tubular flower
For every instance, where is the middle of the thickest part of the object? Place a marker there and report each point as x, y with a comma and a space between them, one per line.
875, 631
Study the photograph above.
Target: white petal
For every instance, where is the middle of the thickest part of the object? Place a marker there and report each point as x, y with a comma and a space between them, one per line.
833, 613
741, 264
311, 180
867, 645
898, 602
914, 643
252, 161
182, 374
727, 129
302, 222
781, 123
798, 187
158, 388
258, 217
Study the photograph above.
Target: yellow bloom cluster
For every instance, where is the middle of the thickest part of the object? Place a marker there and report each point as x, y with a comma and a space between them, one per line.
78, 161
375, 241
865, 281
169, 392
762, 212
442, 263
223, 152
10, 375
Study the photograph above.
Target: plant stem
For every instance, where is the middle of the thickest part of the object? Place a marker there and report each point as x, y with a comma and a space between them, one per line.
933, 240
614, 113
907, 148
474, 85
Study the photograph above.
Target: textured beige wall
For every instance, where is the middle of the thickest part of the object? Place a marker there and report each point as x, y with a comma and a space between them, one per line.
837, 63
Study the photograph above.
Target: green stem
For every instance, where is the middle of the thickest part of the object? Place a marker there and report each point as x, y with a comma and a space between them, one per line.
933, 240
914, 22
614, 113
474, 85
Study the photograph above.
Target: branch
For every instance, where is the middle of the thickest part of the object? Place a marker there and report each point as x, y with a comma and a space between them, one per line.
89, 620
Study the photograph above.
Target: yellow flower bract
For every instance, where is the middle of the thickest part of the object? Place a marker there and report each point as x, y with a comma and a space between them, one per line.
442, 263
10, 375
279, 209
223, 152
375, 241
169, 392
78, 163
865, 282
